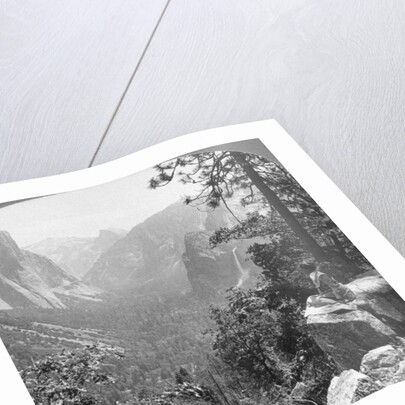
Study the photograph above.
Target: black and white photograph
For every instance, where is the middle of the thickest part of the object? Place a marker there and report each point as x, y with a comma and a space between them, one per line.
211, 278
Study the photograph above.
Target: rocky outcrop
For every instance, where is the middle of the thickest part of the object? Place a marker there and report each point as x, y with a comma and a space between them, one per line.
366, 342
376, 296
76, 255
214, 269
28, 279
150, 252
348, 335
379, 368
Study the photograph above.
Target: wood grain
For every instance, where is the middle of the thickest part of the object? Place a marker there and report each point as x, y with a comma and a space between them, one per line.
63, 68
331, 73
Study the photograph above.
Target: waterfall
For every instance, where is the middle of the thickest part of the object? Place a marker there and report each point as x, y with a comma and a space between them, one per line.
244, 274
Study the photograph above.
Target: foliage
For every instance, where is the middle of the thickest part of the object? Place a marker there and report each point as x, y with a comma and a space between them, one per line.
262, 334
159, 331
219, 176
260, 338
278, 251
189, 391
69, 377
215, 173
185, 391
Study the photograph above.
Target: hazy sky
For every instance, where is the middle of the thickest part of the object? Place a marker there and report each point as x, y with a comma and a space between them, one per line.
119, 204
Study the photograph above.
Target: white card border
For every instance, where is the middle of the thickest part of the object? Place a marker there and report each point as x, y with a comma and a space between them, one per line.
383, 256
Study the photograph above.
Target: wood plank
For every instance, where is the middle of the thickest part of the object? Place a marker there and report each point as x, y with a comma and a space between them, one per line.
63, 68
330, 72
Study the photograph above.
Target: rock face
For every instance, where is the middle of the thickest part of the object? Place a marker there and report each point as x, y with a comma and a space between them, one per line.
211, 270
150, 251
28, 279
378, 320
377, 297
76, 255
348, 336
171, 246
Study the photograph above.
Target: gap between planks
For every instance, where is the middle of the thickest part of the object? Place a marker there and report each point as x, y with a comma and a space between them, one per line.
138, 64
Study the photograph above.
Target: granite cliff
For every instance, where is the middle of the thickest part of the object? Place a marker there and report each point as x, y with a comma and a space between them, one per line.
171, 246
212, 270
151, 250
28, 279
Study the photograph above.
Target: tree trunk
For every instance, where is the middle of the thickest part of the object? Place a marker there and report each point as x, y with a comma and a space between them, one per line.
307, 240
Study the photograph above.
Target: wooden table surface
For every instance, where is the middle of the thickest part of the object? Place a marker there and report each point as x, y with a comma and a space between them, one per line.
85, 82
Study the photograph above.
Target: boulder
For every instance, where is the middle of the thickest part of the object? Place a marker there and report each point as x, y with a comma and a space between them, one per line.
384, 356
379, 368
343, 390
385, 364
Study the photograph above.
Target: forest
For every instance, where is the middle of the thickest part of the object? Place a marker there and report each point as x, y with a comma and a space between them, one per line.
246, 346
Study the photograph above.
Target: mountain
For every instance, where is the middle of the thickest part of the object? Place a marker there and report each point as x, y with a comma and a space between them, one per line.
152, 252
28, 279
150, 249
77, 255
212, 270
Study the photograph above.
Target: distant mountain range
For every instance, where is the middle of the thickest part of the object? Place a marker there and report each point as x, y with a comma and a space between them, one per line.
168, 250
28, 279
76, 255
151, 250
172, 245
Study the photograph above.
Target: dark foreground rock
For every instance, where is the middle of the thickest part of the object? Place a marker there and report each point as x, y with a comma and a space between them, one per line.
347, 337
378, 321
376, 296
